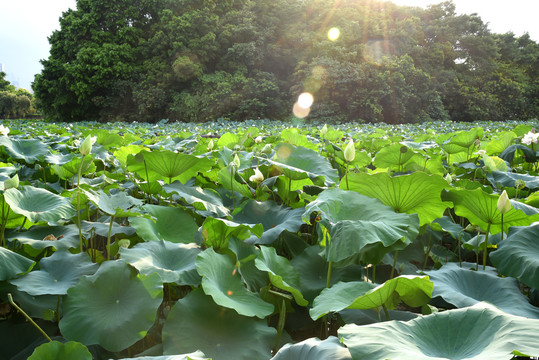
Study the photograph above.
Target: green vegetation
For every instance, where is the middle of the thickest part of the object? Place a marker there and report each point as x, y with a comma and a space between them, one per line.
200, 60
14, 103
257, 240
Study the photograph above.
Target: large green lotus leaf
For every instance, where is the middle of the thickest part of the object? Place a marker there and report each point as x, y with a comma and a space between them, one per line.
56, 350
466, 138
463, 287
509, 153
168, 165
103, 228
39, 204
71, 168
313, 270
35, 306
494, 163
246, 254
314, 349
299, 163
357, 224
122, 153
508, 179
197, 355
221, 280
217, 232
226, 156
413, 290
58, 273
281, 274
206, 202
41, 237
518, 255
114, 308
498, 145
172, 224
393, 155
292, 136
274, 218
28, 150
413, 193
197, 323
175, 263
479, 332
229, 181
481, 209
370, 316
116, 203
13, 264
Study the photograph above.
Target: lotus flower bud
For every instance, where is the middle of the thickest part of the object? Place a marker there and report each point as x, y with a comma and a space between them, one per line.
504, 205
257, 177
210, 145
124, 243
258, 139
86, 146
324, 131
266, 149
350, 151
12, 183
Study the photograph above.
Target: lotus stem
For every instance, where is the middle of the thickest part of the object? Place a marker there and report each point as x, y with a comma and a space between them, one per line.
78, 203
347, 165
486, 247
386, 312
10, 298
280, 325
502, 226
394, 264
148, 182
108, 239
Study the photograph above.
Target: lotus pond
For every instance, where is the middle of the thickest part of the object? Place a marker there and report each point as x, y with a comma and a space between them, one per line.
265, 240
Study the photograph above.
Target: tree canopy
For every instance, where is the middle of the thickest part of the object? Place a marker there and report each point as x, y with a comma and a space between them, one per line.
14, 103
198, 60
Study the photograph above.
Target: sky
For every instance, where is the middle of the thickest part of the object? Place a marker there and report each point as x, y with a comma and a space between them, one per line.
25, 26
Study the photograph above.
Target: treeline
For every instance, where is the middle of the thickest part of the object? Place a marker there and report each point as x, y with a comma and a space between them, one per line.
14, 103
198, 60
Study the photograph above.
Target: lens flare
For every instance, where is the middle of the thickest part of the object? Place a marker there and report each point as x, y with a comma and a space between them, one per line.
305, 100
333, 34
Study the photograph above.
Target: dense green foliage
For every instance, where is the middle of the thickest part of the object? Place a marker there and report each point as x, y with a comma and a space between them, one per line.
156, 241
14, 103
198, 60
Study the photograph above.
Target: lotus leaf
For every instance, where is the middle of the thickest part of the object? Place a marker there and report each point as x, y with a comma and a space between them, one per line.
281, 274
462, 287
13, 264
360, 225
481, 209
172, 224
518, 255
197, 323
114, 308
413, 290
56, 350
314, 349
175, 263
221, 280
39, 204
478, 332
58, 273
413, 193
274, 218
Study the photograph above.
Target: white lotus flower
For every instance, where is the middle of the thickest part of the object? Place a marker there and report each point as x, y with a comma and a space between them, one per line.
258, 139
530, 138
350, 151
257, 177
480, 152
4, 130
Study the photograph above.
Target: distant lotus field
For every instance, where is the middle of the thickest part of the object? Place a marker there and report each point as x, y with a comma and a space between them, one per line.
269, 240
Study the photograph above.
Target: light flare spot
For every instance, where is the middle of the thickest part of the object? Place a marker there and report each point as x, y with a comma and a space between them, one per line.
334, 33
283, 153
305, 100
229, 293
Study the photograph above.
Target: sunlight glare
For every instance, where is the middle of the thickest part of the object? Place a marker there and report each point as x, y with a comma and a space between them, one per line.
333, 34
305, 100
